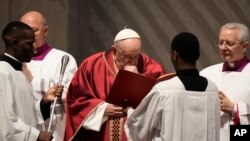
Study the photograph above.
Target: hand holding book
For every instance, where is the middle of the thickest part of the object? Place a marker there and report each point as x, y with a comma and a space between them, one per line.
130, 88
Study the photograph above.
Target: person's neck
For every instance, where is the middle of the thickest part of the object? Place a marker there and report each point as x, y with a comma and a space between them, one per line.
41, 49
185, 66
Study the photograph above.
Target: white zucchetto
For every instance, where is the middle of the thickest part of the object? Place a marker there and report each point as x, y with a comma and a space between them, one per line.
126, 34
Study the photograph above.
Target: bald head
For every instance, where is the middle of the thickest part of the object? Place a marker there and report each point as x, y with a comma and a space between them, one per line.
39, 25
32, 16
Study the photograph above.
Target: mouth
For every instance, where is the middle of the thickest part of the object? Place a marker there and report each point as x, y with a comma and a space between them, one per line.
225, 54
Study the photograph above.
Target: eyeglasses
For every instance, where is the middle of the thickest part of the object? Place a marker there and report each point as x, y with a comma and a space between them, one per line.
123, 55
227, 43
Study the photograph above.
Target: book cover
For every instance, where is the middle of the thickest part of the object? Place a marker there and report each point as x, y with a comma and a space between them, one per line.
130, 88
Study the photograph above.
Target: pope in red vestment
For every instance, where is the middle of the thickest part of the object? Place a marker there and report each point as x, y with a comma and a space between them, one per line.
89, 116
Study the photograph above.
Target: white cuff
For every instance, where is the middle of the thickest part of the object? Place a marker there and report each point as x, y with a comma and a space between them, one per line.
96, 118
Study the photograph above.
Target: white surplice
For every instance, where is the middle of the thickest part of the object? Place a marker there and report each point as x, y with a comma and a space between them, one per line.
17, 112
236, 85
46, 74
170, 113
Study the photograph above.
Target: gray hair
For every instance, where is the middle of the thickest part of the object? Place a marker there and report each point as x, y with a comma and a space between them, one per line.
244, 31
44, 21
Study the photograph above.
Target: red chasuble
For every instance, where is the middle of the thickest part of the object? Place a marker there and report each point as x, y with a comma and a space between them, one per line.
89, 88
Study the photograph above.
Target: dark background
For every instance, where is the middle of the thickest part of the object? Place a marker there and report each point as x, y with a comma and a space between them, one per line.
84, 27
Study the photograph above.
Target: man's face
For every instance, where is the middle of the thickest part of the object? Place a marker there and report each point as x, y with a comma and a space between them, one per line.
24, 46
39, 29
230, 47
127, 52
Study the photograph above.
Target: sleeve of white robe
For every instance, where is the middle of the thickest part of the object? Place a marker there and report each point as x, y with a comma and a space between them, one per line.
244, 113
12, 127
39, 115
145, 120
96, 118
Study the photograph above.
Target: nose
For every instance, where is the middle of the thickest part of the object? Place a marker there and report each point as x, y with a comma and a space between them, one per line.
132, 61
223, 46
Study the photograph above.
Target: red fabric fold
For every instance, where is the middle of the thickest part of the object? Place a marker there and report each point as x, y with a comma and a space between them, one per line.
236, 120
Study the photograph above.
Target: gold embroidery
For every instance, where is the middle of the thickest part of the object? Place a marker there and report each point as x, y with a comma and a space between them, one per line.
115, 130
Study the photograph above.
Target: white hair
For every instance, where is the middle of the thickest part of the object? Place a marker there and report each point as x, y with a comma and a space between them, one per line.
244, 31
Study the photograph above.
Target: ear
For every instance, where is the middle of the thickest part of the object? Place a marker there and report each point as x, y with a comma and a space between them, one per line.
245, 46
114, 49
14, 42
174, 55
174, 58
46, 30
14, 45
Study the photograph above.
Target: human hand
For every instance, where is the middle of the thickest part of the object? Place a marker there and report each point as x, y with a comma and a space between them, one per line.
45, 136
53, 92
227, 105
113, 111
131, 68
27, 72
125, 110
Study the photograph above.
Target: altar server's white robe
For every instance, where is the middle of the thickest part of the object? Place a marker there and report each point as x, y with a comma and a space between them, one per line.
236, 85
46, 74
17, 112
170, 113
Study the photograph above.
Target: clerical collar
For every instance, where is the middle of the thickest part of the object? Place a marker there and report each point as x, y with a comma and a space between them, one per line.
17, 65
236, 66
42, 52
